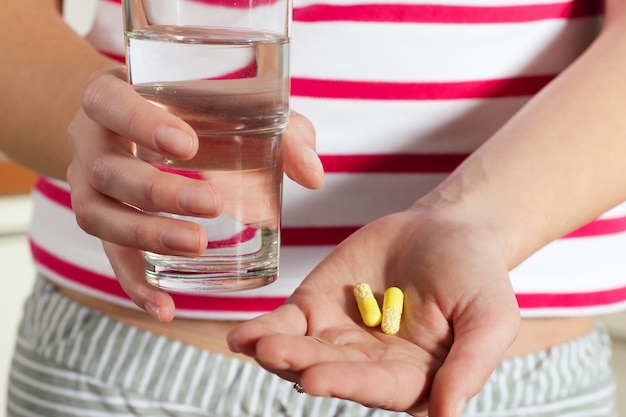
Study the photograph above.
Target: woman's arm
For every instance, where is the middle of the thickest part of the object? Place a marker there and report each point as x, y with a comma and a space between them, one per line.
45, 65
561, 161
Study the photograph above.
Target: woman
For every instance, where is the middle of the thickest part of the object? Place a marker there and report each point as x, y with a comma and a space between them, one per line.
459, 139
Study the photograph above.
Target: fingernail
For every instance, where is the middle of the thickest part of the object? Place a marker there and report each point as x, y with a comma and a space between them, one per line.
180, 239
312, 160
198, 200
174, 141
152, 309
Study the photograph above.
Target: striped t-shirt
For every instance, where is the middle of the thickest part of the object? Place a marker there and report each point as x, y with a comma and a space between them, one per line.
400, 93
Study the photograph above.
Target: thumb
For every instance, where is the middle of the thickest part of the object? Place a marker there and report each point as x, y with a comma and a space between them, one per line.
474, 355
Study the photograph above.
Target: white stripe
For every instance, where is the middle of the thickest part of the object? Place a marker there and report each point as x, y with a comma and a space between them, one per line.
299, 409
107, 31
72, 310
556, 381
148, 370
84, 396
51, 315
579, 401
71, 360
213, 380
76, 247
487, 397
404, 126
134, 364
316, 407
66, 410
200, 368
181, 372
105, 359
501, 385
542, 384
71, 377
122, 355
460, 52
94, 342
271, 394
14, 408
240, 395
227, 382
255, 391
565, 368
165, 368
529, 370
348, 200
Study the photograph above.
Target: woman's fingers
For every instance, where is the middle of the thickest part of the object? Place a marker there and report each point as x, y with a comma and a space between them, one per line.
301, 161
388, 384
110, 101
128, 265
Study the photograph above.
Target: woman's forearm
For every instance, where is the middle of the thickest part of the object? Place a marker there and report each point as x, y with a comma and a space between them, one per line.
45, 66
561, 161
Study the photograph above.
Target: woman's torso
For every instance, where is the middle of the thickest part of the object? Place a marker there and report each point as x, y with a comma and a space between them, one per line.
400, 93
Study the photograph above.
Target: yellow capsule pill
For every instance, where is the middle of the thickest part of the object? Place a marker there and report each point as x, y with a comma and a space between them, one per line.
368, 306
393, 302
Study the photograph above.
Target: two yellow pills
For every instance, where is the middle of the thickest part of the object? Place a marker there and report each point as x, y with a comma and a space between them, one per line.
371, 314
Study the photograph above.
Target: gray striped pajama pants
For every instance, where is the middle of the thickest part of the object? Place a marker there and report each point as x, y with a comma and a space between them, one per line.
71, 361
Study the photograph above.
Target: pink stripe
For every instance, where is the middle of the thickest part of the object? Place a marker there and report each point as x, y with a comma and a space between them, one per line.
333, 235
239, 4
586, 299
393, 163
430, 13
315, 236
369, 163
54, 192
196, 175
62, 197
245, 235
373, 90
379, 90
111, 286
114, 56
226, 3
600, 227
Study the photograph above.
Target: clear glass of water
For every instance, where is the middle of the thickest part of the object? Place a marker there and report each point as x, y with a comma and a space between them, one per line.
223, 68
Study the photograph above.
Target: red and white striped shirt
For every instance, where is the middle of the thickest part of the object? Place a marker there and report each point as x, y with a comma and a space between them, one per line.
400, 93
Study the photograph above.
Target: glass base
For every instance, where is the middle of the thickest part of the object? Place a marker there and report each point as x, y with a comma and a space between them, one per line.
198, 275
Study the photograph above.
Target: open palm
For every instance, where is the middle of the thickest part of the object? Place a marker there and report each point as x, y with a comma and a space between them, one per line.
460, 315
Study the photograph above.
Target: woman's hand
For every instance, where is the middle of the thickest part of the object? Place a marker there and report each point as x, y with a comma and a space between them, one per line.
110, 186
460, 315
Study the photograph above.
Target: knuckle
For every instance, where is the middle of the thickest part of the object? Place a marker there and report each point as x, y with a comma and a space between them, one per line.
85, 215
98, 173
91, 98
152, 191
134, 121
